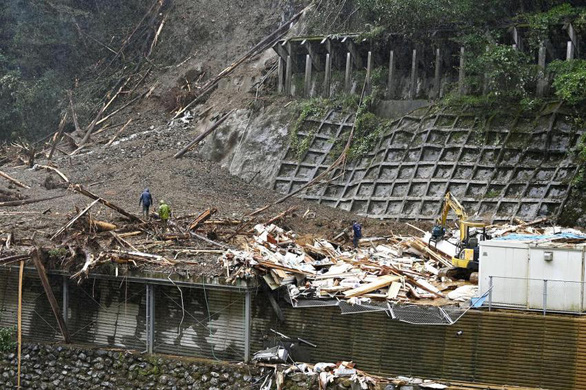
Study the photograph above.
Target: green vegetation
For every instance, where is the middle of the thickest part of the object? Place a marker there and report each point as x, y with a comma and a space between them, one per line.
49, 47
569, 80
7, 342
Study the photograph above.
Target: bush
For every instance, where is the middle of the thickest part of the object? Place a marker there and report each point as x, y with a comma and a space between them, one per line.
569, 80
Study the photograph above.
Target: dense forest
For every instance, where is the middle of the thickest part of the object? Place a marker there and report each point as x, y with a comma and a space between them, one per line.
50, 47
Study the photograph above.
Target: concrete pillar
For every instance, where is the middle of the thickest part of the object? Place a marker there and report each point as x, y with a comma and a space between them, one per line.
307, 87
150, 317
247, 311
437, 76
327, 76
413, 87
570, 52
390, 81
369, 72
574, 39
65, 310
541, 81
280, 76
348, 70
288, 75
518, 43
462, 73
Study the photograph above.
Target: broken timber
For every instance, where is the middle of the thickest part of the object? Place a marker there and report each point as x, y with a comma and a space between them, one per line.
202, 218
13, 180
79, 189
50, 296
28, 201
81, 213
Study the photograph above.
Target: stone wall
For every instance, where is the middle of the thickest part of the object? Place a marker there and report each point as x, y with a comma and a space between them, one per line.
74, 367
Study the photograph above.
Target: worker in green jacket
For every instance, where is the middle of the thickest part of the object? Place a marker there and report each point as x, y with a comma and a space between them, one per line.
164, 212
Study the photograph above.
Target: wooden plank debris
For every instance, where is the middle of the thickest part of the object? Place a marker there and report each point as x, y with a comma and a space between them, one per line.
380, 282
72, 221
79, 189
202, 218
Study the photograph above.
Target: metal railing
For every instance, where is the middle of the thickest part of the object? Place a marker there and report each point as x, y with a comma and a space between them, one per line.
534, 294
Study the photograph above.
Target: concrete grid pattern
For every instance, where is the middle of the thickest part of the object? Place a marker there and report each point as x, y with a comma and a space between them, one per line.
499, 167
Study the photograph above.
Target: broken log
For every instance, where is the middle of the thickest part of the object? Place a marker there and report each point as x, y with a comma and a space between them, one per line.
118, 133
202, 218
50, 296
102, 226
58, 136
68, 224
281, 215
80, 190
203, 135
52, 169
28, 201
13, 180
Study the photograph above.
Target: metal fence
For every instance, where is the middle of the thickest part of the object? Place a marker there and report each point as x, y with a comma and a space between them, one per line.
534, 294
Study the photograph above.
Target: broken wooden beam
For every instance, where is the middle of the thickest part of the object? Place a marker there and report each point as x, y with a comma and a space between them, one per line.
13, 180
52, 169
380, 282
202, 218
50, 296
203, 135
72, 221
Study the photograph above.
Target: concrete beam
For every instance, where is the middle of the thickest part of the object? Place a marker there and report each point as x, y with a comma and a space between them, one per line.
281, 75
307, 84
369, 72
247, 326
327, 76
462, 73
391, 79
347, 80
413, 86
437, 79
288, 75
315, 58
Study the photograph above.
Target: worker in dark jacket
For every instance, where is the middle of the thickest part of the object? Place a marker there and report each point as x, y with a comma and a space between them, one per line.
357, 229
146, 200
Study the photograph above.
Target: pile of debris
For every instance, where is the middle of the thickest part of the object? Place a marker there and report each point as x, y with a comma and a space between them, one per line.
396, 269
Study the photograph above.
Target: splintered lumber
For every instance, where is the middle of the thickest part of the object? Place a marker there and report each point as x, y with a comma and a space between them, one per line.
50, 296
513, 228
52, 169
380, 282
202, 218
79, 215
123, 242
28, 201
79, 189
13, 180
203, 135
208, 240
393, 290
124, 256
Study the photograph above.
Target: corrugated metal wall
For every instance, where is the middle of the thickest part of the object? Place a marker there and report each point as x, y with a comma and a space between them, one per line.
197, 322
38, 321
524, 349
107, 312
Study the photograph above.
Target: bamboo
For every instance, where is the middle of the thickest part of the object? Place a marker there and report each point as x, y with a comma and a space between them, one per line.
19, 320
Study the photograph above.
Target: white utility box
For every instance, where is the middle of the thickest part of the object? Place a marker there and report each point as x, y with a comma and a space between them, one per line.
532, 274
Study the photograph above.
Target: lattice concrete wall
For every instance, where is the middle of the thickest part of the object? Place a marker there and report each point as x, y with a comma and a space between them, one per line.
499, 167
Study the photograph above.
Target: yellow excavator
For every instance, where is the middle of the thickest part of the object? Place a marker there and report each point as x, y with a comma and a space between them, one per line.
467, 254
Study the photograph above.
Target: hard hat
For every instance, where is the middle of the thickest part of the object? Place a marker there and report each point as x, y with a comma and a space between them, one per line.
161, 202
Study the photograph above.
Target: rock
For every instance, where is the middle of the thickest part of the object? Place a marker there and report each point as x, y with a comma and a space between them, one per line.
163, 379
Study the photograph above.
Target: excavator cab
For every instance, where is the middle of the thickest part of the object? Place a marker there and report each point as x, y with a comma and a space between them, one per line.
466, 260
